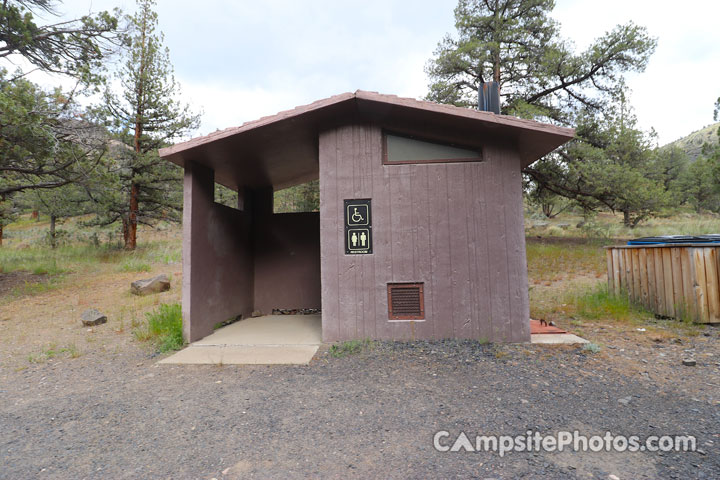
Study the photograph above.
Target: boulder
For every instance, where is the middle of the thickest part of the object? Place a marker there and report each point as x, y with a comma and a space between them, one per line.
92, 317
158, 284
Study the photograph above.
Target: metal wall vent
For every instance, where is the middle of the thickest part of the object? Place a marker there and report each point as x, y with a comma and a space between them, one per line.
406, 301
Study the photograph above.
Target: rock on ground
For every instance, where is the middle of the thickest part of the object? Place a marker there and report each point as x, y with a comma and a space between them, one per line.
158, 284
92, 317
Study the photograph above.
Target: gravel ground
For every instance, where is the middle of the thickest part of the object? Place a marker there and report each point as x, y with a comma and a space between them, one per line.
368, 415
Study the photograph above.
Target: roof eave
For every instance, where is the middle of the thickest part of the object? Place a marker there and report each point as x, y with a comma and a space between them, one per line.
534, 139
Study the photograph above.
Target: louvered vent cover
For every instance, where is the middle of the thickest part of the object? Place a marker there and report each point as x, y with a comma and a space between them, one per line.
406, 301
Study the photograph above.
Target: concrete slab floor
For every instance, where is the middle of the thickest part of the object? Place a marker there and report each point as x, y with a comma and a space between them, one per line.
272, 339
557, 338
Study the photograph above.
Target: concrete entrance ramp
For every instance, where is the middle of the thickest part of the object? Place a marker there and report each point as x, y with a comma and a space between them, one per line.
549, 334
272, 339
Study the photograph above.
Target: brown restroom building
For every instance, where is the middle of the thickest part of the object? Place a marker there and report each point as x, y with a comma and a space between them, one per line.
419, 234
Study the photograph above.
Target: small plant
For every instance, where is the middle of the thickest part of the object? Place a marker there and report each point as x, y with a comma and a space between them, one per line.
72, 351
53, 351
591, 348
349, 348
500, 354
34, 358
134, 265
163, 328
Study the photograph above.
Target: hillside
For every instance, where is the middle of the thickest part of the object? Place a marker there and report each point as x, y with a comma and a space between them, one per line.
692, 144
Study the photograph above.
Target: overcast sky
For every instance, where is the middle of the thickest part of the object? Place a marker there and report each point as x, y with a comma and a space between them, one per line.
238, 60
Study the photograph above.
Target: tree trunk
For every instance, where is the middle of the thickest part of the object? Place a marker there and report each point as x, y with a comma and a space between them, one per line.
496, 69
626, 218
2, 199
126, 230
547, 209
131, 237
53, 238
35, 215
496, 53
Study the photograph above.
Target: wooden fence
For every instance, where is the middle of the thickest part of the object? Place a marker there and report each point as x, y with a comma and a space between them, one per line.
672, 280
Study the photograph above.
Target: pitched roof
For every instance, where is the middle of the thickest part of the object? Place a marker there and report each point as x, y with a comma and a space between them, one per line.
285, 144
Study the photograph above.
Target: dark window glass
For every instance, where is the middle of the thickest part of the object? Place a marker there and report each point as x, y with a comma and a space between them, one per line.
405, 149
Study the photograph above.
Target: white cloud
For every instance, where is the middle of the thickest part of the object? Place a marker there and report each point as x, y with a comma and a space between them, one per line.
242, 59
226, 106
675, 94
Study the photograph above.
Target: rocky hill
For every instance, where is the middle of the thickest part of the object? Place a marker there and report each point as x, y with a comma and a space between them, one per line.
692, 144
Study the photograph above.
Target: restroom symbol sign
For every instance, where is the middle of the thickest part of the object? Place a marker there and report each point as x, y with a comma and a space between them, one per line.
358, 239
358, 226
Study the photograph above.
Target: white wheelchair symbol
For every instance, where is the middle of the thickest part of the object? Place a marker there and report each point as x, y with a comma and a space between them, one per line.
356, 216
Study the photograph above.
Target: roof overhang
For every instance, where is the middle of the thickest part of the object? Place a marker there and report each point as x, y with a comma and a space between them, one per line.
282, 150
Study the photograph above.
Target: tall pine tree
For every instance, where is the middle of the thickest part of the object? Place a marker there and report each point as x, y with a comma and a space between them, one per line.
44, 141
516, 43
140, 187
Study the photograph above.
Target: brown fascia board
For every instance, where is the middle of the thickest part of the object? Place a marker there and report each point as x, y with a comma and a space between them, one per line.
534, 139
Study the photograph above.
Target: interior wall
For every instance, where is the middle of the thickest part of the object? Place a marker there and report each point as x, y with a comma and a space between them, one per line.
217, 257
287, 257
287, 262
456, 227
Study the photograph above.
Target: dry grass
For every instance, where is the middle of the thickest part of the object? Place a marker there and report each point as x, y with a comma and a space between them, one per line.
94, 278
607, 228
562, 259
88, 270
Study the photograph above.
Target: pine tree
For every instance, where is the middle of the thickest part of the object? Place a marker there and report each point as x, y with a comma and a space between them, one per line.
141, 187
76, 48
517, 44
44, 141
617, 165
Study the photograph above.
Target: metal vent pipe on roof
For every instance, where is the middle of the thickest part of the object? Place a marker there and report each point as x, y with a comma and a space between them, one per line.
489, 97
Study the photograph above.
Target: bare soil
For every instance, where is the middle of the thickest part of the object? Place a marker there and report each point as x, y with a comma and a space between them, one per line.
14, 280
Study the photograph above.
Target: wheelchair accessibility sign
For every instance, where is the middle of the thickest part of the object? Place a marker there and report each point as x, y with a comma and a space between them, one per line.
358, 226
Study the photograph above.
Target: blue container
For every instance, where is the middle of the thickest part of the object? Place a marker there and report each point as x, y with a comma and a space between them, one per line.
711, 239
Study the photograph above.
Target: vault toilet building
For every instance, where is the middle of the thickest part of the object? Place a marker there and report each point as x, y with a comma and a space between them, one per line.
420, 230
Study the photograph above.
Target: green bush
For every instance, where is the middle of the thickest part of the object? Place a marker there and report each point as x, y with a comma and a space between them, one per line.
163, 328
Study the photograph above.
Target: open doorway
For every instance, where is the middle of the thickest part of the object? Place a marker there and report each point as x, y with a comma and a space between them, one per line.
287, 251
